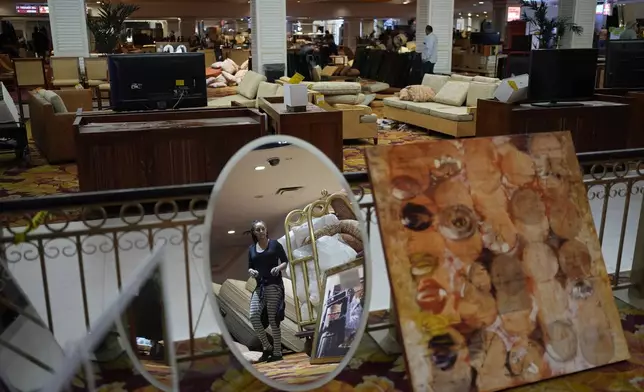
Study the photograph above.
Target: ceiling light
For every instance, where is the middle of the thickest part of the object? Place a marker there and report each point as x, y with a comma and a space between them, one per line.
406, 2
469, 14
477, 15
231, 231
258, 168
481, 2
485, 12
474, 5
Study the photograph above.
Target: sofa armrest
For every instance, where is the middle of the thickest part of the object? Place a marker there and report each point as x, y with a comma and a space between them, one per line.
61, 137
75, 99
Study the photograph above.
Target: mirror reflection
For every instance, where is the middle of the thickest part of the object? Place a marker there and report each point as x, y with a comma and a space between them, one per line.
29, 353
130, 353
285, 248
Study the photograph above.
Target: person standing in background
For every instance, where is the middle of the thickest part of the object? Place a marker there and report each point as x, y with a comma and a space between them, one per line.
631, 31
430, 50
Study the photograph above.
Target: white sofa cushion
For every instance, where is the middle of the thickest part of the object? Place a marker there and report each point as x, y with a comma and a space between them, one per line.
56, 101
452, 113
424, 107
375, 87
436, 82
345, 99
249, 85
461, 78
280, 91
395, 102
225, 102
337, 88
266, 89
478, 91
368, 119
485, 79
453, 93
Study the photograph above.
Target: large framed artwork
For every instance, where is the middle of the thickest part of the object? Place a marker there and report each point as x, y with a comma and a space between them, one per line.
495, 266
340, 310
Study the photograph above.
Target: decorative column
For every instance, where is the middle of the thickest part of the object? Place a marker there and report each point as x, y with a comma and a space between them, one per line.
69, 33
440, 15
351, 31
581, 12
268, 32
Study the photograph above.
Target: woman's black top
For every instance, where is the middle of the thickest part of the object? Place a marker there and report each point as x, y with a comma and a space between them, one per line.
264, 262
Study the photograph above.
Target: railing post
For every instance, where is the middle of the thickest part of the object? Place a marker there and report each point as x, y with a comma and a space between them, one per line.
636, 291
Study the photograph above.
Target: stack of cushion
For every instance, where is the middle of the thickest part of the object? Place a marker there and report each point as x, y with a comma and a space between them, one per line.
451, 93
226, 73
340, 92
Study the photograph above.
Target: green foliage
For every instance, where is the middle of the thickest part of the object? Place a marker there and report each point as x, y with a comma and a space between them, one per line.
545, 26
109, 25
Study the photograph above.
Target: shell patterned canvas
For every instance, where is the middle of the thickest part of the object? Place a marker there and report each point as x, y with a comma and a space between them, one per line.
495, 266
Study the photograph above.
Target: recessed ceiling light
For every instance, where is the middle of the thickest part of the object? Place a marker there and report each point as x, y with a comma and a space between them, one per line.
231, 231
477, 15
260, 168
485, 12
469, 14
474, 5
481, 2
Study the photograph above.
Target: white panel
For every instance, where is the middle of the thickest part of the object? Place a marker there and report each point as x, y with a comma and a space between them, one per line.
268, 19
582, 13
440, 15
69, 28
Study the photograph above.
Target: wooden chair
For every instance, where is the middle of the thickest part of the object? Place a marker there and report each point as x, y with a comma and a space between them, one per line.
96, 74
29, 73
65, 71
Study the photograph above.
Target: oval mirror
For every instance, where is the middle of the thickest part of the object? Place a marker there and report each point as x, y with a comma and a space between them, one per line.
286, 247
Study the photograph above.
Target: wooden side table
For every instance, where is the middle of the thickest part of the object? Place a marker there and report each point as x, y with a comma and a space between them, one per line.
321, 128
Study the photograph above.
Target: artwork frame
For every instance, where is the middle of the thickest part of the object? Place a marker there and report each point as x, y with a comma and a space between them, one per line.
496, 269
335, 272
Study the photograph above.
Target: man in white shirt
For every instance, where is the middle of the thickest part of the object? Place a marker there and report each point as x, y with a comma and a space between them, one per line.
430, 50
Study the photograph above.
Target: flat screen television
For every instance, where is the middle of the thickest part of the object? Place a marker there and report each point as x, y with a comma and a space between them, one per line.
624, 64
485, 38
149, 81
559, 76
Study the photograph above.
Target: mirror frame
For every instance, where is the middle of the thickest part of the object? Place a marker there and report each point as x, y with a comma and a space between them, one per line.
212, 203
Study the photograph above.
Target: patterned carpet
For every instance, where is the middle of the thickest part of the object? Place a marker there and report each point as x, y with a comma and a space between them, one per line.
38, 178
294, 369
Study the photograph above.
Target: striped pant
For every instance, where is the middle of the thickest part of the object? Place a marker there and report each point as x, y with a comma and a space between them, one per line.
272, 297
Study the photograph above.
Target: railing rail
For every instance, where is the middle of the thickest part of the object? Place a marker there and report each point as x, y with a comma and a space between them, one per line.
613, 180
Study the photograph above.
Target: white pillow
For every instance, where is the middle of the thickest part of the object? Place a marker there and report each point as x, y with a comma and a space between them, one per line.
337, 88
302, 232
230, 78
345, 99
453, 93
240, 75
244, 65
229, 66
436, 82
478, 91
217, 65
331, 253
462, 78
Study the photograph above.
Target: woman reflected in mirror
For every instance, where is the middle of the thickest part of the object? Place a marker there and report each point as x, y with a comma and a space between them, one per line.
266, 261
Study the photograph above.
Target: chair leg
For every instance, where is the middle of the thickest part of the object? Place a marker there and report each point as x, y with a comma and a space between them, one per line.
22, 111
99, 98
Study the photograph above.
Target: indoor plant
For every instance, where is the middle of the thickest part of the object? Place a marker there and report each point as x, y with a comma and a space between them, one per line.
108, 26
546, 26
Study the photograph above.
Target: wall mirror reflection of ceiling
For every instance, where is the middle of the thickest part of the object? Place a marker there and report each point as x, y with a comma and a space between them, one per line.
259, 188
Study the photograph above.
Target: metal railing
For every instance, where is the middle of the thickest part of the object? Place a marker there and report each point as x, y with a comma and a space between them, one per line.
85, 224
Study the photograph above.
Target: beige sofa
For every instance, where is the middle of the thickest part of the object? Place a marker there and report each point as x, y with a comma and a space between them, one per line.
453, 111
252, 86
52, 114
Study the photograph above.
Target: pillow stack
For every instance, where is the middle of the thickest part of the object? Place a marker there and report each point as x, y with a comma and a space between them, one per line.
340, 92
226, 73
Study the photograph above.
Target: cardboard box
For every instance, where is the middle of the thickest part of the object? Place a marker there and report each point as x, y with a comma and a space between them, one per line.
295, 95
513, 89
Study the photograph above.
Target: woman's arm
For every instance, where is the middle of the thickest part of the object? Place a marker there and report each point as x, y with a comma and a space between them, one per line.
281, 255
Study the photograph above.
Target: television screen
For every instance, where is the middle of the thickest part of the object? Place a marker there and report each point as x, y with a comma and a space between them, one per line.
558, 75
624, 64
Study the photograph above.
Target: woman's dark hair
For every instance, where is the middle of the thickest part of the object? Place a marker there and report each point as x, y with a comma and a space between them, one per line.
252, 230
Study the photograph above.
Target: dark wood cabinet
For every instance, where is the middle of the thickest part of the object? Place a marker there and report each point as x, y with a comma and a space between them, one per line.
320, 127
132, 150
597, 126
